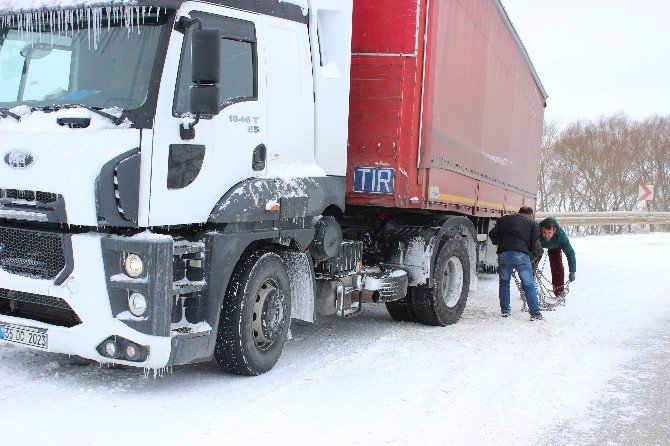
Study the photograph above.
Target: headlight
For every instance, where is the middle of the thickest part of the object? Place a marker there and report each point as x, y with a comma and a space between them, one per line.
134, 265
137, 304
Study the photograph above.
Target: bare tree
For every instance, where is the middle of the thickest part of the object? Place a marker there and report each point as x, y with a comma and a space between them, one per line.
598, 165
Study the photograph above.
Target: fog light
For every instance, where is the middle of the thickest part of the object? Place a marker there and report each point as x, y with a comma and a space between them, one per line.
118, 348
131, 351
137, 304
134, 265
110, 348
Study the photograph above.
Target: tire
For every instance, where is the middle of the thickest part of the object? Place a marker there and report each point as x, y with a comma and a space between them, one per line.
444, 302
401, 310
255, 315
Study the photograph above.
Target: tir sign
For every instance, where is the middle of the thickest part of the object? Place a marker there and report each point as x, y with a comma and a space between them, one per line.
374, 180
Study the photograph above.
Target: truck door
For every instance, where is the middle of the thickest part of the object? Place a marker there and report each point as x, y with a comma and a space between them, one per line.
290, 99
190, 176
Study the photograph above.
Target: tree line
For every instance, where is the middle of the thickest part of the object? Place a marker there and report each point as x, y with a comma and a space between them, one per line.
595, 166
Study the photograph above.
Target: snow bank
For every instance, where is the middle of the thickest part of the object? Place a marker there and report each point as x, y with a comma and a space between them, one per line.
483, 381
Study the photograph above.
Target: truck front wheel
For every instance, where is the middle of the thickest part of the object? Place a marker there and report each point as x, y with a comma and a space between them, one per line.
255, 315
443, 303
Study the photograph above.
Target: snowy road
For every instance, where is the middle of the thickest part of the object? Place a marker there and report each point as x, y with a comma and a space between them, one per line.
600, 361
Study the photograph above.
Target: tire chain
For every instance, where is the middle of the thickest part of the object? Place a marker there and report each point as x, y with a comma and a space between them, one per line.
544, 290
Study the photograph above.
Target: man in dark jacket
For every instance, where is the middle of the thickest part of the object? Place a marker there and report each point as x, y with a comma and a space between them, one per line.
517, 237
556, 241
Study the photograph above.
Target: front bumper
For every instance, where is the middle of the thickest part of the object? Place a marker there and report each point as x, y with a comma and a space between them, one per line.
96, 299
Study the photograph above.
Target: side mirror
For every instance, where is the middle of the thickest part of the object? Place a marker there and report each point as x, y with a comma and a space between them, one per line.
205, 73
205, 100
205, 56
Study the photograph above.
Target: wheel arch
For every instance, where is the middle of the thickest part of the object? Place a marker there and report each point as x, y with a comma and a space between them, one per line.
269, 199
412, 236
458, 226
227, 251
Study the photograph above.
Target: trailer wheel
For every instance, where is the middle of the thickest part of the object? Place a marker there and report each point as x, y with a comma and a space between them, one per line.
255, 315
444, 302
401, 310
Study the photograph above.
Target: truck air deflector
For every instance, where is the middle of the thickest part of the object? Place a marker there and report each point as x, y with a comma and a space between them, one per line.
117, 190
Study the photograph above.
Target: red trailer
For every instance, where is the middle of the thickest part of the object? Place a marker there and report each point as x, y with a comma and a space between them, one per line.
445, 106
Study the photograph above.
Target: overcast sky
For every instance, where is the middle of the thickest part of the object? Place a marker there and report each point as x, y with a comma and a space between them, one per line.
598, 57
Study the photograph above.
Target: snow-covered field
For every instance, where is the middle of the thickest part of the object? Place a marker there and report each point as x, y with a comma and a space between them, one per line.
370, 380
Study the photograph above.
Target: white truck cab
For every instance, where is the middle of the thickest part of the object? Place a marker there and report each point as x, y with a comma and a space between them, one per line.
149, 148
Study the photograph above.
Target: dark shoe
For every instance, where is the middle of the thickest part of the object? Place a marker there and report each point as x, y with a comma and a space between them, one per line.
505, 313
536, 316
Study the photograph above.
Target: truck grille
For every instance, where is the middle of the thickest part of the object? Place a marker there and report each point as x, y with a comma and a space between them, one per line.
38, 197
34, 254
51, 310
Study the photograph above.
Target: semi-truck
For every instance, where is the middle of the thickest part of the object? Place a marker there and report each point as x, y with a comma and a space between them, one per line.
180, 179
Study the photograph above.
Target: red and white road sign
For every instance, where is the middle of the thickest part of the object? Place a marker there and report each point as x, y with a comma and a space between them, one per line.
646, 192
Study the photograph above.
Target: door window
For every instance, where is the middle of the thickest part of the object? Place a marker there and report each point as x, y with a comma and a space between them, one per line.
239, 79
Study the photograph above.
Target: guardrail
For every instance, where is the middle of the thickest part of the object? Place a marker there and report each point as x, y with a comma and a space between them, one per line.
607, 218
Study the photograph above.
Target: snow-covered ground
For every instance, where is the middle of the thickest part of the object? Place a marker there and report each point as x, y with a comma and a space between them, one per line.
370, 380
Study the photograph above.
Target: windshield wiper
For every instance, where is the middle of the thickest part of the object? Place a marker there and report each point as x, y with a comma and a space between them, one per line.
98, 111
114, 119
4, 112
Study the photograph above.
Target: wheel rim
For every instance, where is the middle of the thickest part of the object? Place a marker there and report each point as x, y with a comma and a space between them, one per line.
269, 314
452, 282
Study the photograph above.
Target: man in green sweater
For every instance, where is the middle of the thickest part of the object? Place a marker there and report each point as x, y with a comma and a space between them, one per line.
556, 241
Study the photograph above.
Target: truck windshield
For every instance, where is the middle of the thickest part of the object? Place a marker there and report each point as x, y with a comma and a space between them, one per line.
105, 67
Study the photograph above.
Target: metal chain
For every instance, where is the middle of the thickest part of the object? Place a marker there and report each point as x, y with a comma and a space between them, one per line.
545, 290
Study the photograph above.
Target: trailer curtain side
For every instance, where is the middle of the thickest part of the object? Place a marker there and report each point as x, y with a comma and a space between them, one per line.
443, 93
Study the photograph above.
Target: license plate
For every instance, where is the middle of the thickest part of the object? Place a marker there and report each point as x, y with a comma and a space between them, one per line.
19, 334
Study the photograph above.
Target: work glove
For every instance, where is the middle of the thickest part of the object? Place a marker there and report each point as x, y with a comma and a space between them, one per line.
571, 277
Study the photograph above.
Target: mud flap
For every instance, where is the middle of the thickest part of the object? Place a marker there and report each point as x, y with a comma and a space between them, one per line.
301, 277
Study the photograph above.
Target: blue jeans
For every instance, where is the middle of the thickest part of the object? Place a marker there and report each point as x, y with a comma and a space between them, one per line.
519, 261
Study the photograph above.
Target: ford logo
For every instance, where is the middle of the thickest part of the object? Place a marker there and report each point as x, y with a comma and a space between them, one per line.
19, 159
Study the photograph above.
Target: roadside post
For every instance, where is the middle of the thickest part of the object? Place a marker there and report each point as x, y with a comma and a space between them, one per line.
646, 194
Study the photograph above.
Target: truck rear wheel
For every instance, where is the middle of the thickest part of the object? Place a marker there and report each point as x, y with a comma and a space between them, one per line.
255, 315
444, 302
401, 310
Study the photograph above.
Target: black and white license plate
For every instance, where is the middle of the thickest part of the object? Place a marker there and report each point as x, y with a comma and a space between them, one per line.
19, 334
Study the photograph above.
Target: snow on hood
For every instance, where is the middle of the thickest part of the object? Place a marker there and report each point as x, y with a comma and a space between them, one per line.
38, 122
